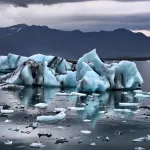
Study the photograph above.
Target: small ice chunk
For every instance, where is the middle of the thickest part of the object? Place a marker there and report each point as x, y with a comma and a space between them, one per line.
128, 104
139, 148
102, 112
36, 145
85, 131
107, 138
78, 94
122, 110
7, 121
52, 118
33, 125
59, 109
41, 105
61, 140
8, 142
140, 95
60, 127
142, 139
62, 94
14, 129
86, 120
6, 111
83, 104
92, 144
76, 108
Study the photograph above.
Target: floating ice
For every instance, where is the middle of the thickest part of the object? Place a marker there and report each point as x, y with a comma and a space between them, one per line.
62, 94
37, 145
128, 104
140, 95
60, 127
7, 121
51, 118
41, 105
88, 74
86, 120
59, 109
6, 111
142, 139
92, 144
76, 108
8, 142
122, 110
77, 94
139, 148
14, 129
85, 132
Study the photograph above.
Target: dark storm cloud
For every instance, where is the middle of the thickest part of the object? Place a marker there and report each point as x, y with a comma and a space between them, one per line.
25, 3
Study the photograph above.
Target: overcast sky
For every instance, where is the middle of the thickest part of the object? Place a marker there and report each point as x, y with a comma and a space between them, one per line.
86, 15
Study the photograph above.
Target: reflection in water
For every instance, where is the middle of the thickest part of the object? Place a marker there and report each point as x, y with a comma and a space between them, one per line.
107, 102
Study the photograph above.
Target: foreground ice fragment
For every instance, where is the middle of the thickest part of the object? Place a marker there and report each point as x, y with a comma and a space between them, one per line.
8, 142
128, 104
142, 139
92, 144
59, 109
86, 120
7, 121
77, 94
142, 95
41, 105
6, 111
62, 94
52, 118
14, 129
85, 131
76, 108
37, 145
139, 148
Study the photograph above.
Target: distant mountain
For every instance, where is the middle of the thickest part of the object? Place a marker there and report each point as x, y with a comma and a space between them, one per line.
27, 40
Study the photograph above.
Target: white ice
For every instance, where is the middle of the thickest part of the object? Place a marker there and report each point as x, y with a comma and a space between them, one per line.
52, 118
41, 105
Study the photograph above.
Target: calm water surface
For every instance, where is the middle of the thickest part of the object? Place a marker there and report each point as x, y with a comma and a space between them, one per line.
104, 111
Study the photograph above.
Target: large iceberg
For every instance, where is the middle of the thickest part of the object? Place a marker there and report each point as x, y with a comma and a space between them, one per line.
88, 74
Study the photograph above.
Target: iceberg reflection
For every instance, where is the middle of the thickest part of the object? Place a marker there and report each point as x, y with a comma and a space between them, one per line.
96, 106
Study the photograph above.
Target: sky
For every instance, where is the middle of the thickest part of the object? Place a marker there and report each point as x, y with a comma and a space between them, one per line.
85, 15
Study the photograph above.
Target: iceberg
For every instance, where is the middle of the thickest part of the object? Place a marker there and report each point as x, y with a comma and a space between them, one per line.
88, 74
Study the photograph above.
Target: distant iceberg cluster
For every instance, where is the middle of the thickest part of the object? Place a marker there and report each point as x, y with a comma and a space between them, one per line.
88, 74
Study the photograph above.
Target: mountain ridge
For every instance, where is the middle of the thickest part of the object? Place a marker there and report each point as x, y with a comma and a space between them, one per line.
27, 40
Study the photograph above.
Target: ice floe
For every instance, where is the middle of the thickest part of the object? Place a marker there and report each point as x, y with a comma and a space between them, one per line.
41, 105
36, 145
85, 131
51, 118
76, 108
8, 142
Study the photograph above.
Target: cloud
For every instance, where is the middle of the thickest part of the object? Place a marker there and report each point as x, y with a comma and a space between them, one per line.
97, 15
25, 3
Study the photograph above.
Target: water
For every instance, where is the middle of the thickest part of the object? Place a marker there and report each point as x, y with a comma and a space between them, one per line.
104, 112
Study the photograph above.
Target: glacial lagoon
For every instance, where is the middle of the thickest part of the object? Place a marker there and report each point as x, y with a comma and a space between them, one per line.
107, 120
